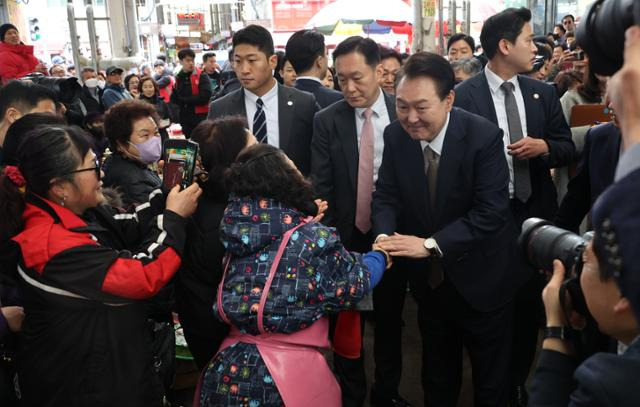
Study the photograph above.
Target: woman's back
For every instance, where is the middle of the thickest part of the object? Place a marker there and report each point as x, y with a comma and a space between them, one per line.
315, 276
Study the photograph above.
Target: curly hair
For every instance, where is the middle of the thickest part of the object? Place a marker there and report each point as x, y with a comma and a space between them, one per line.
220, 142
264, 171
118, 121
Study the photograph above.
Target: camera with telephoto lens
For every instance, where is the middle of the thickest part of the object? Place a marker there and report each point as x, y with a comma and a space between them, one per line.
541, 243
601, 33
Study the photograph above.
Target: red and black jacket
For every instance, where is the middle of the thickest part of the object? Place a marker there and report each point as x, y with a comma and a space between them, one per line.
84, 336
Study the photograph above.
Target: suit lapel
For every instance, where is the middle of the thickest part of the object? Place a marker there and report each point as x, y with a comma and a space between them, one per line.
532, 105
346, 130
285, 115
450, 159
390, 101
482, 98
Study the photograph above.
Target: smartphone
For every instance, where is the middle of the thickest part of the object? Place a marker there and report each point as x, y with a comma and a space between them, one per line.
179, 162
580, 55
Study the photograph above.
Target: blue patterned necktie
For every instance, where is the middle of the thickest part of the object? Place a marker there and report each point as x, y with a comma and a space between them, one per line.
260, 123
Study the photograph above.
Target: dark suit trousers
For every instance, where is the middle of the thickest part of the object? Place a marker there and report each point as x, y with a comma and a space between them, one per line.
447, 323
388, 302
350, 372
529, 310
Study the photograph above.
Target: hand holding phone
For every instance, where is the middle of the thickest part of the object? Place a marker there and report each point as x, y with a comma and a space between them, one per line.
179, 162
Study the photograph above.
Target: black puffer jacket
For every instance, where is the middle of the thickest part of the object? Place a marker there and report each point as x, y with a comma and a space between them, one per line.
133, 179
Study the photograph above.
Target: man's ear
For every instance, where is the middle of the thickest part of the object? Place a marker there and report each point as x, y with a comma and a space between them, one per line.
450, 99
504, 47
273, 61
379, 72
622, 306
12, 114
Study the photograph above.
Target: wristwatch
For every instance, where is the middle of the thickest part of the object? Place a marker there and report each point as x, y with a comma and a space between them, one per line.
431, 246
559, 332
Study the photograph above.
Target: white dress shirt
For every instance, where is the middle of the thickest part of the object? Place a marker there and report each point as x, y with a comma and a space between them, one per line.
270, 107
380, 119
497, 95
311, 78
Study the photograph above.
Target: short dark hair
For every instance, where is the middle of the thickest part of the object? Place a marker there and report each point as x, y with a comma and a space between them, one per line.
464, 37
504, 25
23, 96
208, 55
146, 79
432, 66
86, 69
128, 78
569, 16
20, 128
257, 36
185, 53
386, 53
303, 48
570, 34
118, 121
262, 171
220, 141
364, 46
560, 26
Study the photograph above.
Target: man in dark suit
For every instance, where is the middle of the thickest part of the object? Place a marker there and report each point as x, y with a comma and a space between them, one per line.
595, 173
610, 282
346, 154
308, 55
277, 115
536, 138
441, 207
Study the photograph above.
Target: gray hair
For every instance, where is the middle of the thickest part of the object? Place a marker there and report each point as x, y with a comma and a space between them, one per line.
470, 66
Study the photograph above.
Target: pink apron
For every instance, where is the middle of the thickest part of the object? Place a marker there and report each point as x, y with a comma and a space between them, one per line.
299, 370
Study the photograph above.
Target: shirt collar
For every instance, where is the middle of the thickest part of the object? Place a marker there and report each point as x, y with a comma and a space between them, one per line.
495, 81
311, 78
267, 97
437, 143
378, 107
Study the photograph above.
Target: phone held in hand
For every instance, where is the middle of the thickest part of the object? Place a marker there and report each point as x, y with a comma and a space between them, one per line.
179, 162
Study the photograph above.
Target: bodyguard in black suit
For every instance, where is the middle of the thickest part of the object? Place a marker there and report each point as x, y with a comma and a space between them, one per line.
537, 138
346, 152
596, 170
308, 55
610, 282
441, 208
276, 114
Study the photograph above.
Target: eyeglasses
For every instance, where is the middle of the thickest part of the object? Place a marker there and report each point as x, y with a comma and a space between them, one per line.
96, 169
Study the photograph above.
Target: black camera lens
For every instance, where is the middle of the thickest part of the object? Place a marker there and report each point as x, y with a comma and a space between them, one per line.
601, 33
541, 243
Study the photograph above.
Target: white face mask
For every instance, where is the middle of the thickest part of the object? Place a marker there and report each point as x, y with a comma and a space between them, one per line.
92, 83
101, 84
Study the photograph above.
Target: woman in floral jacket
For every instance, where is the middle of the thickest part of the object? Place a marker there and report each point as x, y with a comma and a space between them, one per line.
285, 273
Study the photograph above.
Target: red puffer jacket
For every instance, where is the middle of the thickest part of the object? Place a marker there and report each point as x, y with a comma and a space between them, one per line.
16, 61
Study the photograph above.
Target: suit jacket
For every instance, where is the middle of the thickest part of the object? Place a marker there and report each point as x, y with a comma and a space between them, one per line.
334, 162
596, 171
471, 222
295, 118
90, 103
324, 96
545, 120
604, 379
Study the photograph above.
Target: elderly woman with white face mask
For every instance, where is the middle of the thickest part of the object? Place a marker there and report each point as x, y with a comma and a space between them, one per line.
132, 129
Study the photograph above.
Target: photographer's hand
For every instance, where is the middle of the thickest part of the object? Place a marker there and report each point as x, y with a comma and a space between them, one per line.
625, 90
553, 310
551, 296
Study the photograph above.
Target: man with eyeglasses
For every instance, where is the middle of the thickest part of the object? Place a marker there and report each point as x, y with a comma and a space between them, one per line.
114, 92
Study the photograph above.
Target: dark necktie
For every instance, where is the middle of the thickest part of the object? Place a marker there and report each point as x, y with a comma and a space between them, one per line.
260, 123
521, 179
435, 274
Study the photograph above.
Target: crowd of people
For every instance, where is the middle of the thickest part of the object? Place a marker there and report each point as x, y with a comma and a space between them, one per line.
324, 194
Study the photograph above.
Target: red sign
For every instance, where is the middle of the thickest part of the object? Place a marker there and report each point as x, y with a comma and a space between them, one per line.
293, 15
195, 20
